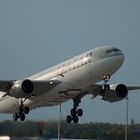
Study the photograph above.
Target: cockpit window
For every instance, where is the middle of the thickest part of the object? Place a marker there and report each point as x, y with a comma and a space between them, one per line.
112, 50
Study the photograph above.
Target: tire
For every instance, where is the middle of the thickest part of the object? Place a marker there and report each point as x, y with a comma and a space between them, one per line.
73, 112
75, 119
22, 117
80, 112
26, 110
68, 119
15, 117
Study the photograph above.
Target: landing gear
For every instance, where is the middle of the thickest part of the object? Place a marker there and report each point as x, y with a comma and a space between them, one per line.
21, 113
26, 110
68, 118
22, 116
106, 86
80, 112
15, 117
75, 113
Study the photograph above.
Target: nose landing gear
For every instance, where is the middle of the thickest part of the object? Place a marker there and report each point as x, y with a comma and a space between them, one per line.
106, 86
75, 113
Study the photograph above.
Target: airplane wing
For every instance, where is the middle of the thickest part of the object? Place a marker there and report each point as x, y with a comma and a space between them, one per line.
98, 87
133, 87
42, 86
5, 85
27, 88
116, 92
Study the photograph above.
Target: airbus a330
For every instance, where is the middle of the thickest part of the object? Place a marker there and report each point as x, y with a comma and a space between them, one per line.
72, 79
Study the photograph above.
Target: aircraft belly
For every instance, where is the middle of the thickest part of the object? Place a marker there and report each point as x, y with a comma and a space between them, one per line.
61, 93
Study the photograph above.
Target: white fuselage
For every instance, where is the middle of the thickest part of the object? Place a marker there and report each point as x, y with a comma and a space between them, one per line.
76, 74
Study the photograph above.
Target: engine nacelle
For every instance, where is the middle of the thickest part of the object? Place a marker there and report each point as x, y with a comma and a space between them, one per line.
22, 89
116, 93
27, 88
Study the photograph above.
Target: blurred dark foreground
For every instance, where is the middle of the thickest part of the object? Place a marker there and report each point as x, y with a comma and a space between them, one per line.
39, 138
48, 130
28, 138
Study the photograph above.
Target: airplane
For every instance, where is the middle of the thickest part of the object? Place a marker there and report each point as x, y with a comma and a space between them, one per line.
72, 79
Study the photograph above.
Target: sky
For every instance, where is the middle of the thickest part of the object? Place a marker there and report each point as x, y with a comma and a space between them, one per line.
37, 34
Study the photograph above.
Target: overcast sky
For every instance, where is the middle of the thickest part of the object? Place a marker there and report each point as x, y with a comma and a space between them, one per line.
37, 34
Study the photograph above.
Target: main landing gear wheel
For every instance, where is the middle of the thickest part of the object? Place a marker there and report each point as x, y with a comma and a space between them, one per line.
15, 117
69, 119
75, 113
26, 110
21, 113
22, 116
80, 112
75, 119
74, 116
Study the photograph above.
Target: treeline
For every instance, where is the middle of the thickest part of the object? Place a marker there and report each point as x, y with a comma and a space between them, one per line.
48, 129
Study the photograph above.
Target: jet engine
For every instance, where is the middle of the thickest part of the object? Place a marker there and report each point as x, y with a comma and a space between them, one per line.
115, 93
27, 88
22, 89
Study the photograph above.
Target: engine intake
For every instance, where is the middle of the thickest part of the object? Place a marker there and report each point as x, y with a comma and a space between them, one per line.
116, 93
121, 91
27, 86
22, 89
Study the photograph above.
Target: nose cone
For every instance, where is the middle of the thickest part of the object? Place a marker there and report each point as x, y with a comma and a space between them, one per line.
122, 57
110, 65
111, 59
119, 59
114, 63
